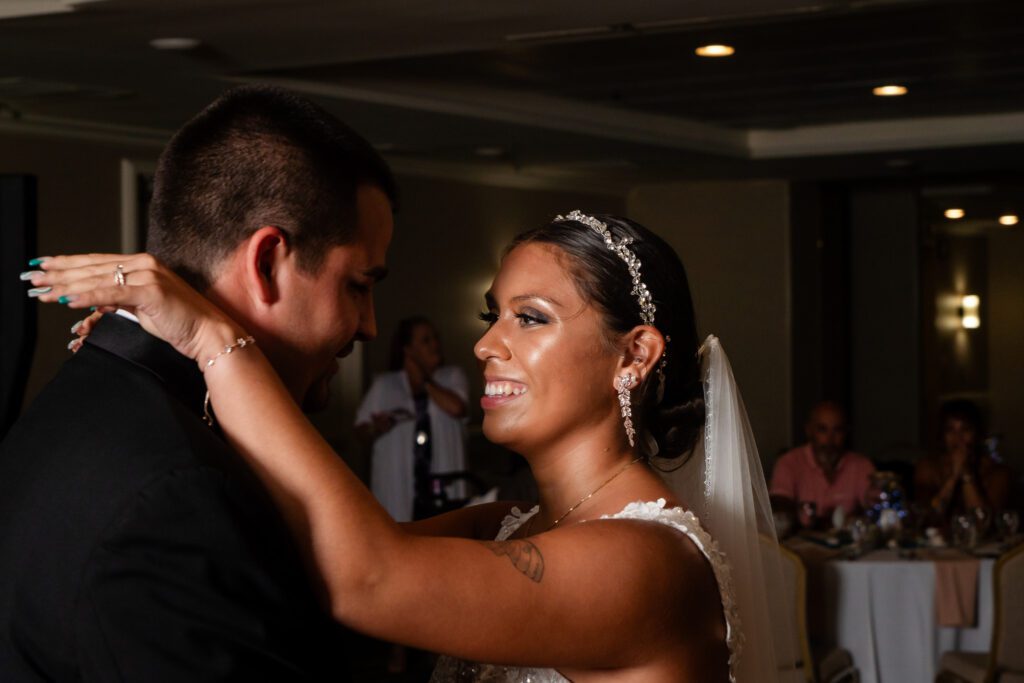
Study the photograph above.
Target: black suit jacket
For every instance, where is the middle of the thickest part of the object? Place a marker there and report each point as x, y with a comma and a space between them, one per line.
135, 545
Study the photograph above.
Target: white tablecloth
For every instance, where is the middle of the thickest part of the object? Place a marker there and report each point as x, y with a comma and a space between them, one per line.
882, 609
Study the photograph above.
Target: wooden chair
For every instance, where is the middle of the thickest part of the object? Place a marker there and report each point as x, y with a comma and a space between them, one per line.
794, 667
1004, 663
801, 667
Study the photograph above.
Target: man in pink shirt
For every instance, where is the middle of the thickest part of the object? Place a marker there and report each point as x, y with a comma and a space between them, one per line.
822, 471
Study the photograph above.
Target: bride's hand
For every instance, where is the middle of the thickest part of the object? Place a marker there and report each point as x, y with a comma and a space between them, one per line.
166, 306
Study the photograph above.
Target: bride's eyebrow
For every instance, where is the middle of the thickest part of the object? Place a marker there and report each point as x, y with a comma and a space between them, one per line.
539, 297
492, 303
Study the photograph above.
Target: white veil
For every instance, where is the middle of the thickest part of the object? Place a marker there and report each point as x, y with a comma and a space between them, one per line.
723, 484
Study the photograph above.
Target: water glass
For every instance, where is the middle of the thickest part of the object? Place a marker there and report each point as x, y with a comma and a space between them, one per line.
1009, 523
808, 514
965, 531
783, 523
859, 531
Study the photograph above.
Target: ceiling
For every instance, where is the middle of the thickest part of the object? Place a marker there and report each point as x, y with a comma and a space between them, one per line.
578, 93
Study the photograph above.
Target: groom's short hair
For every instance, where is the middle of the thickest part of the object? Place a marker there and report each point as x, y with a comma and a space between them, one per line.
258, 156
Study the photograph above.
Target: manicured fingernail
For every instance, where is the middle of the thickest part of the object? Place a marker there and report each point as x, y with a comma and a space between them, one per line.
37, 261
29, 274
92, 308
67, 298
73, 343
77, 326
38, 291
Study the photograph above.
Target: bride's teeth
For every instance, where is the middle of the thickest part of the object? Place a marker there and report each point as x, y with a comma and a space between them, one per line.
503, 389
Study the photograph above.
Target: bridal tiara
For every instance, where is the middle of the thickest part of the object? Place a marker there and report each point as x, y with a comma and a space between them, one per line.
622, 250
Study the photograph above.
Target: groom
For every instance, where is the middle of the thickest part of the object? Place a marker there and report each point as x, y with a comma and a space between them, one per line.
134, 544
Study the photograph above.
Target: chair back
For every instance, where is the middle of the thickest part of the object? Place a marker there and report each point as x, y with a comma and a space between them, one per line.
798, 665
1008, 634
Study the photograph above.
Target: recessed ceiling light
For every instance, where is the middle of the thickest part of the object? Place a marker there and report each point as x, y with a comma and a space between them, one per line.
174, 43
890, 90
715, 50
954, 214
1008, 219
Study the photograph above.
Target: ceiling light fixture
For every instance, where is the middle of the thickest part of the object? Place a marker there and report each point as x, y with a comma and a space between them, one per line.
954, 214
174, 43
715, 51
890, 90
1008, 219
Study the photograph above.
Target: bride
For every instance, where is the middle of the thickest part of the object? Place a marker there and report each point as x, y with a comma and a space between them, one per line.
594, 373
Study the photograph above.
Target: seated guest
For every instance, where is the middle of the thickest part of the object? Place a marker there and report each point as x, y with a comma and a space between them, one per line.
963, 477
822, 471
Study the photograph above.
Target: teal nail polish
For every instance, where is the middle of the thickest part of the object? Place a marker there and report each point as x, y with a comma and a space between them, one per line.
38, 291
67, 298
37, 261
29, 274
92, 308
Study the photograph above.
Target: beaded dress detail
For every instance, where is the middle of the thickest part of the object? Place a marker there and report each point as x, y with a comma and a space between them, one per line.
451, 670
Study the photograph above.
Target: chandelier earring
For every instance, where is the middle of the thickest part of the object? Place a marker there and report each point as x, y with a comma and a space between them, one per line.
624, 384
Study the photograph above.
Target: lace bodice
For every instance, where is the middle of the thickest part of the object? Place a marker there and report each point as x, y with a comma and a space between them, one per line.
451, 670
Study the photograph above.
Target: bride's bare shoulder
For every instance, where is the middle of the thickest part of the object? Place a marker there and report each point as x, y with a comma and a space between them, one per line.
658, 565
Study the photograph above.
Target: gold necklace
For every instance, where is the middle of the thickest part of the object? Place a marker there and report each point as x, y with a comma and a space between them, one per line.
585, 498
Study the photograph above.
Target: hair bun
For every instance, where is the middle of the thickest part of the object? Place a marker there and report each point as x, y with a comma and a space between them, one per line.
676, 425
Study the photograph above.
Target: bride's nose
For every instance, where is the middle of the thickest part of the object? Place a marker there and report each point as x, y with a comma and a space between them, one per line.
491, 345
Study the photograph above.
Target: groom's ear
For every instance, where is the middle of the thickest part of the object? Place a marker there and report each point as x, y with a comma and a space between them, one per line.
266, 257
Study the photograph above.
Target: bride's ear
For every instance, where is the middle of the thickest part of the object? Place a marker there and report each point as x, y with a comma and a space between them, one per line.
641, 351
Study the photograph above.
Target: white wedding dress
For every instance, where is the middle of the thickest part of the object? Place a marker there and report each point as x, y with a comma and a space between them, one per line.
451, 670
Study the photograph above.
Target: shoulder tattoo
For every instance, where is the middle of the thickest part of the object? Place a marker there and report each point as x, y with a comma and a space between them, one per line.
524, 555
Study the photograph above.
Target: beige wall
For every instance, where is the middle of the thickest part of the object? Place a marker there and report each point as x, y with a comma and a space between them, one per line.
733, 238
1006, 340
79, 186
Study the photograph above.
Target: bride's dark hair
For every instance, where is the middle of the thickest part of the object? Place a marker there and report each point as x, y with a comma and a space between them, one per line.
604, 281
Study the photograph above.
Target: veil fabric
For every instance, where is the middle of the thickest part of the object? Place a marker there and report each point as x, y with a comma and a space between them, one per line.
723, 485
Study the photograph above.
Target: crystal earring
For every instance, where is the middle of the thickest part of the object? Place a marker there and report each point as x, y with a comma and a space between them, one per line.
625, 383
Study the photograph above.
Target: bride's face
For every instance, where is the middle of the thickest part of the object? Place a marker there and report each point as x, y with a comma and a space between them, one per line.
548, 369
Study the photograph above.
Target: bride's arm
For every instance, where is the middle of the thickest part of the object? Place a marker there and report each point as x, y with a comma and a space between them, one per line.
562, 598
567, 598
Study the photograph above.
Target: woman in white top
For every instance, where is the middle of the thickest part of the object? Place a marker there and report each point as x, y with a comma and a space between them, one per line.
592, 367
391, 414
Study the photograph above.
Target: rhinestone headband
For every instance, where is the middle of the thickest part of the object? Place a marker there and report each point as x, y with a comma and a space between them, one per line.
622, 250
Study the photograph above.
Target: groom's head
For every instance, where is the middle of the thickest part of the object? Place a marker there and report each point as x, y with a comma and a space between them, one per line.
281, 214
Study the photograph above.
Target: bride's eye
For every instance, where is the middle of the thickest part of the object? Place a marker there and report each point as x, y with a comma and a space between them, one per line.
531, 318
489, 317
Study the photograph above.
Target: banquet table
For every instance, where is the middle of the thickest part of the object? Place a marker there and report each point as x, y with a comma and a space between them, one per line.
882, 608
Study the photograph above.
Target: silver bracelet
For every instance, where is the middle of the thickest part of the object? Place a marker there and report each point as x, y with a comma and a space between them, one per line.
240, 343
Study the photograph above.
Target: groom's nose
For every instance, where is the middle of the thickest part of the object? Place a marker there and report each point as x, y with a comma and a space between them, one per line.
367, 321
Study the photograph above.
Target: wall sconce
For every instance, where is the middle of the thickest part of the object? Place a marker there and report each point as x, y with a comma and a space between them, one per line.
970, 316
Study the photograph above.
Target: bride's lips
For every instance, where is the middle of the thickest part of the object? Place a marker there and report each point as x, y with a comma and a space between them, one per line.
499, 391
